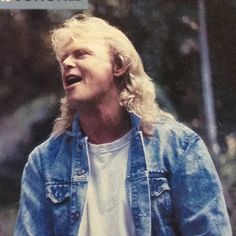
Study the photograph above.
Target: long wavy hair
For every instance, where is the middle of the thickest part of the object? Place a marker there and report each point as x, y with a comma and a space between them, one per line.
137, 92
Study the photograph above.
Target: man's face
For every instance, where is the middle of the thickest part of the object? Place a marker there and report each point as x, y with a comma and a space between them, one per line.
87, 72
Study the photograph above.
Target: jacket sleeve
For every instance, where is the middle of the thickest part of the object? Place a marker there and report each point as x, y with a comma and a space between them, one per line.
198, 201
33, 216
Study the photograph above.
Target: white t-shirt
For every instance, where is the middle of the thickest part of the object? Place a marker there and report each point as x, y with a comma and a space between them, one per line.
107, 211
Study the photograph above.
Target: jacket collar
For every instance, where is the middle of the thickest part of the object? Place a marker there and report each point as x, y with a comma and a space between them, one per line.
135, 121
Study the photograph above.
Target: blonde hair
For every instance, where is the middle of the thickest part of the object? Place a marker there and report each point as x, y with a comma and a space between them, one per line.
137, 92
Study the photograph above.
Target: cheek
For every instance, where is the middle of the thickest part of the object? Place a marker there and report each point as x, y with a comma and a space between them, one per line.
107, 70
100, 72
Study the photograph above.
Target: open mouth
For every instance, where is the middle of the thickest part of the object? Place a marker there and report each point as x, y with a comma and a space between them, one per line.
72, 79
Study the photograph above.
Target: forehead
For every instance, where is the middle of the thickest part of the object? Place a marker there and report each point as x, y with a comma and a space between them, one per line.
92, 44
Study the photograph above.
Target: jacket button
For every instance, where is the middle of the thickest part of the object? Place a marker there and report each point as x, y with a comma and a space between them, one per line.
80, 172
75, 216
80, 145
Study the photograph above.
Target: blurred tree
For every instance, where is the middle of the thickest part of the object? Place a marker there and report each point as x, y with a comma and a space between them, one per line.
228, 173
222, 35
165, 33
27, 69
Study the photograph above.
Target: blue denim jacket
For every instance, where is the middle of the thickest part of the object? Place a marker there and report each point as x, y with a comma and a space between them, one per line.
172, 183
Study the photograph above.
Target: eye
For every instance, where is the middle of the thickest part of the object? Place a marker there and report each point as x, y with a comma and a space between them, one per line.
81, 53
62, 59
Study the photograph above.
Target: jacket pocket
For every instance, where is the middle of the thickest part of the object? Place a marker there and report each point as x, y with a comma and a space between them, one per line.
158, 186
161, 203
160, 191
58, 199
160, 195
57, 192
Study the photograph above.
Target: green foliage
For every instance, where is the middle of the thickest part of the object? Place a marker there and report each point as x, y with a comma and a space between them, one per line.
164, 32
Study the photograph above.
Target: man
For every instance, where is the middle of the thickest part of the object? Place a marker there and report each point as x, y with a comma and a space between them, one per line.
114, 164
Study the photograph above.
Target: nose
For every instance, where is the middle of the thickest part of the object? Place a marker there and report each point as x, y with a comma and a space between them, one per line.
68, 63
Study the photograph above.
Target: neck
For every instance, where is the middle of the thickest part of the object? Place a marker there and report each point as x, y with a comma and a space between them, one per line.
104, 124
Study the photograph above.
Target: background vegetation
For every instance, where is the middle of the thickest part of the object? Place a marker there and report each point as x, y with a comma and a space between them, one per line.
164, 32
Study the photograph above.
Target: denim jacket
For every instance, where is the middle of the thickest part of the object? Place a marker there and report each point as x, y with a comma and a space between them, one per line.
172, 183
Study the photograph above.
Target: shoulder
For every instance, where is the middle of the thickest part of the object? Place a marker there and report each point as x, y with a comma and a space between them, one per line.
172, 143
47, 151
52, 158
170, 129
52, 144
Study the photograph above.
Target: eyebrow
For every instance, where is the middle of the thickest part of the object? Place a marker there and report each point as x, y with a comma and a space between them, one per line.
82, 49
75, 51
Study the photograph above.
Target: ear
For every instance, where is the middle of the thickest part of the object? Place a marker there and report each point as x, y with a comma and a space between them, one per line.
118, 66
